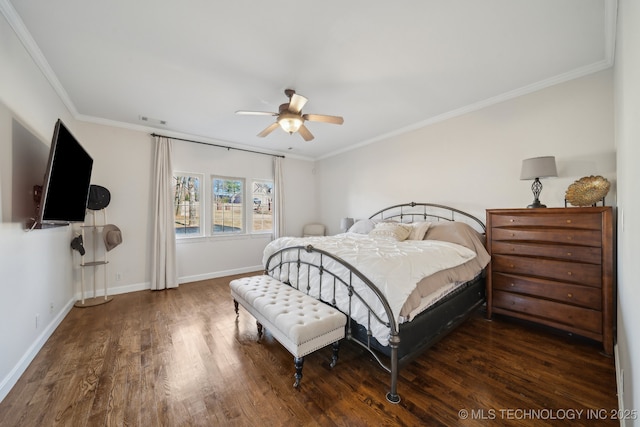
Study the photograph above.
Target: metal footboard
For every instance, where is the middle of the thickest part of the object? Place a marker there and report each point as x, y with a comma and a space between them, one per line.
324, 277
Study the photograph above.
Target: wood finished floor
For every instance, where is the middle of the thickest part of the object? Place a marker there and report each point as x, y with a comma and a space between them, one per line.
182, 358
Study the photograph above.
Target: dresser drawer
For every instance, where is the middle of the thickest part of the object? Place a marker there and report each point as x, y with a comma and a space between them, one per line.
576, 317
588, 254
574, 237
583, 274
564, 220
584, 296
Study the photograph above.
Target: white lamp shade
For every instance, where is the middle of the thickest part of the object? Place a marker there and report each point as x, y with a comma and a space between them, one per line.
538, 167
345, 224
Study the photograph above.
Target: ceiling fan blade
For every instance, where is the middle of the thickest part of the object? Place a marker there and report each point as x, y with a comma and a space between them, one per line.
256, 113
337, 120
304, 132
296, 103
273, 126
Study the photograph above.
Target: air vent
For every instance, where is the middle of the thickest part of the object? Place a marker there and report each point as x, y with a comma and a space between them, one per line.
152, 121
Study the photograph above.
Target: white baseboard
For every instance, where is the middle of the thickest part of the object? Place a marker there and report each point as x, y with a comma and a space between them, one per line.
14, 375
619, 383
185, 279
116, 290
207, 276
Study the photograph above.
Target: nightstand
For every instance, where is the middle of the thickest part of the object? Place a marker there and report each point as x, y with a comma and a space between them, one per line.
554, 266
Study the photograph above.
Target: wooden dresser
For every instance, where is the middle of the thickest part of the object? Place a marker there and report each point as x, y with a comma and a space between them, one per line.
554, 266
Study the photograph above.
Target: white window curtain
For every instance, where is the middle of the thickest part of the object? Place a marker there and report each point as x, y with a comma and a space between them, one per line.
164, 272
278, 184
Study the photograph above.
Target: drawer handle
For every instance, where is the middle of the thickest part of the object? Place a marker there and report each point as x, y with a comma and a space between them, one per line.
569, 238
513, 234
512, 285
568, 221
510, 265
570, 295
569, 254
512, 220
569, 273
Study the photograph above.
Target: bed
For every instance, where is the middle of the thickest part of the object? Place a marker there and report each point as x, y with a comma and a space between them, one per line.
405, 277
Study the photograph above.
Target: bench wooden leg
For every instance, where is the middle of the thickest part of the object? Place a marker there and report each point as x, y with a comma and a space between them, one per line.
235, 306
298, 361
334, 357
259, 325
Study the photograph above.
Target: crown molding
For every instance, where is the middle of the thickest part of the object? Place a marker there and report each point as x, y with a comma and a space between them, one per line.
34, 51
610, 22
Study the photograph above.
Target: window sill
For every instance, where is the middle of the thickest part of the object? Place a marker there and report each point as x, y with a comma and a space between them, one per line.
224, 237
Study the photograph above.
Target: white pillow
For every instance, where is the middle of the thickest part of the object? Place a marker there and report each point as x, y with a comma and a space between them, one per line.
418, 230
363, 226
393, 230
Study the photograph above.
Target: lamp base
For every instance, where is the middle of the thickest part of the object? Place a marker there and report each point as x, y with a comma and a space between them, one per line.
536, 189
536, 204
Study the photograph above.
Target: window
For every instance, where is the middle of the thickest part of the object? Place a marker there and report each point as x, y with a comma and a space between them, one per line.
186, 197
227, 205
262, 195
226, 212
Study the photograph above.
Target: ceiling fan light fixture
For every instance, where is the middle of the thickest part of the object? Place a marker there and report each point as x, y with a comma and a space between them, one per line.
290, 122
291, 119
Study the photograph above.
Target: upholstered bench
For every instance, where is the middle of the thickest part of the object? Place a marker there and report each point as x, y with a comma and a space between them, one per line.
302, 324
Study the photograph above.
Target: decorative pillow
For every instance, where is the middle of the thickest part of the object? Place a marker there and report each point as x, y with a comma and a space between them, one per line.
455, 232
461, 234
418, 230
393, 230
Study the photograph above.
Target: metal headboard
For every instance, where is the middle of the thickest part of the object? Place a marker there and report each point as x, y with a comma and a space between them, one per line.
413, 212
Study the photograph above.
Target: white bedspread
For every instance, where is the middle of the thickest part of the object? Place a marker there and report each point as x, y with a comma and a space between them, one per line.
394, 267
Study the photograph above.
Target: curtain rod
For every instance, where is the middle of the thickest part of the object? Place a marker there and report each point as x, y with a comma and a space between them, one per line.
218, 145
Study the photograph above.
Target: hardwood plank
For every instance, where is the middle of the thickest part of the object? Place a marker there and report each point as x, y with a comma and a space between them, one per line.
183, 357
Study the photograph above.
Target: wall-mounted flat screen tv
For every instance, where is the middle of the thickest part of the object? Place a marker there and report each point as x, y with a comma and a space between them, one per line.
67, 179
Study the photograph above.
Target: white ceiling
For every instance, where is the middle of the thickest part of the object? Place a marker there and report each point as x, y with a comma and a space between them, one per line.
385, 66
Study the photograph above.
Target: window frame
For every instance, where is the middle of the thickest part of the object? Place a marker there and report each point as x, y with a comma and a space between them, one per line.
212, 208
201, 195
206, 207
271, 207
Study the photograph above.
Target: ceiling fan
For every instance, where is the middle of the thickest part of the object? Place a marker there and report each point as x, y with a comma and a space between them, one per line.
290, 117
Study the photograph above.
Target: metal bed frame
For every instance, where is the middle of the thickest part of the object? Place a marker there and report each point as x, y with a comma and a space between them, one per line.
294, 264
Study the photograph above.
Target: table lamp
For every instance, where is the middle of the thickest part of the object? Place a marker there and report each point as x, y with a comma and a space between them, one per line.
536, 168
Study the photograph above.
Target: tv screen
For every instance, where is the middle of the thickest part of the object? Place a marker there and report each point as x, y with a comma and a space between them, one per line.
65, 190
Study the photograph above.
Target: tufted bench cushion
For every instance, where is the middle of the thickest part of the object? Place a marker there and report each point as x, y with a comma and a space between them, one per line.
301, 323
